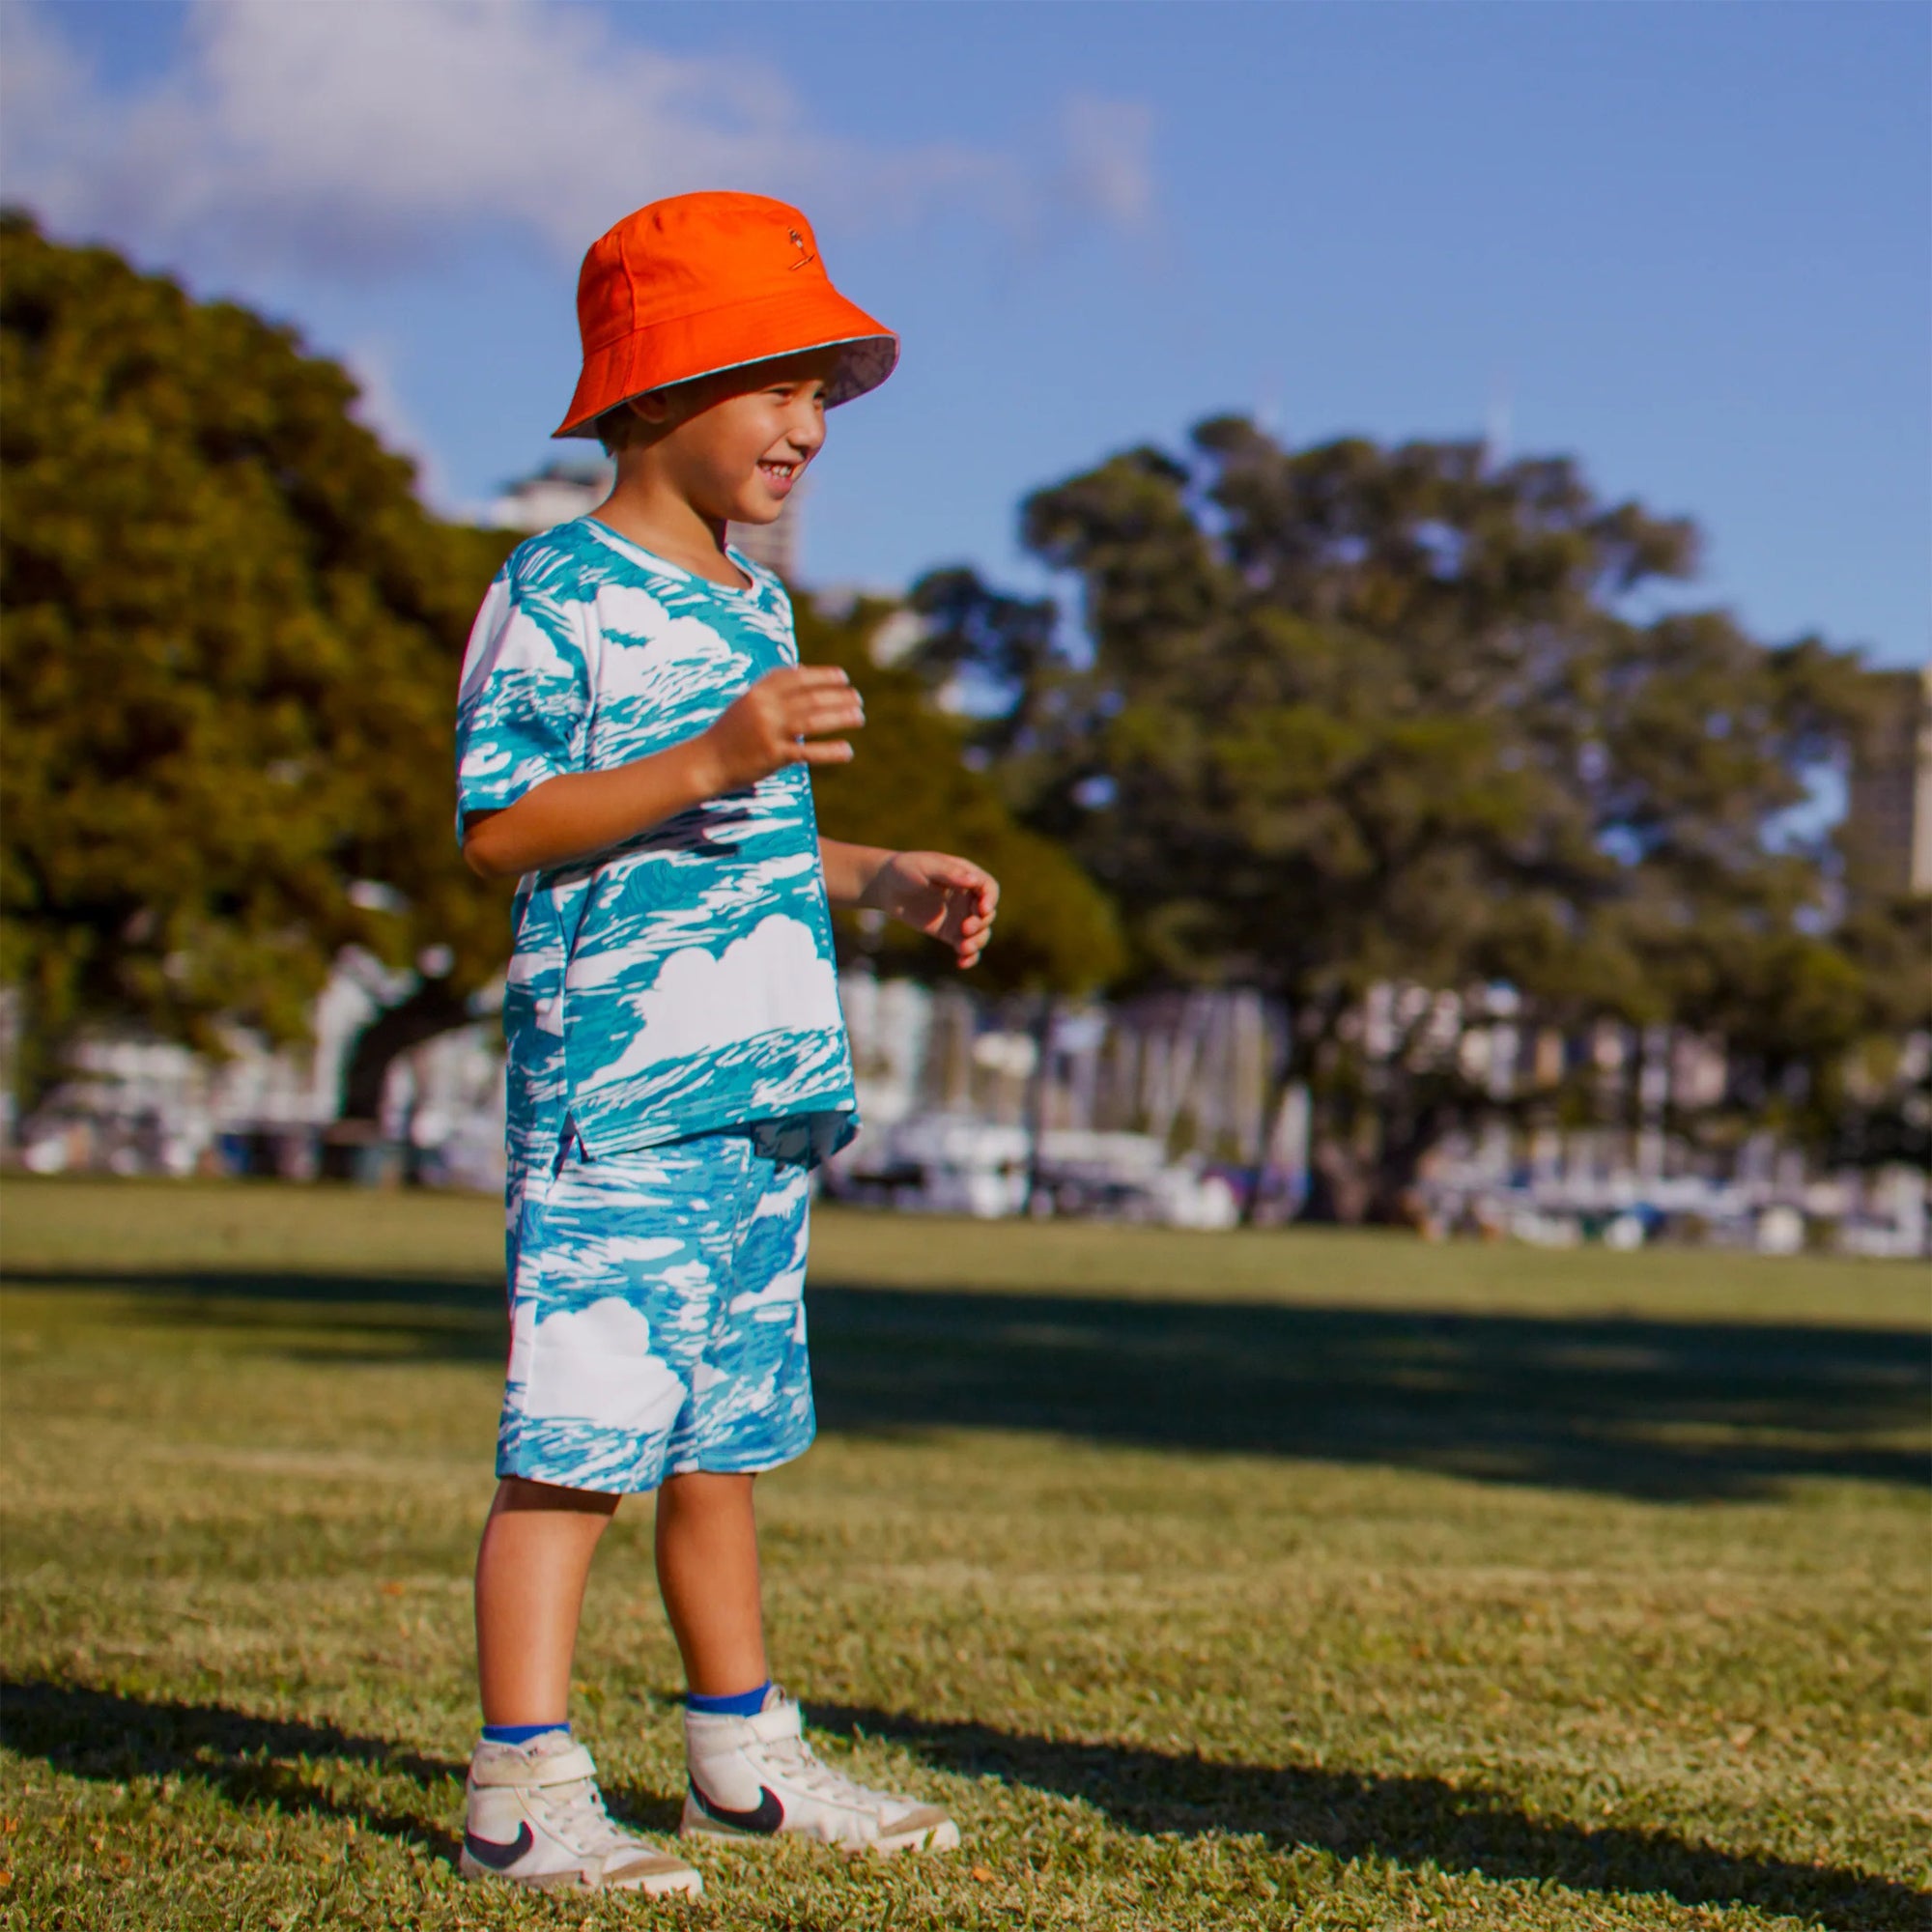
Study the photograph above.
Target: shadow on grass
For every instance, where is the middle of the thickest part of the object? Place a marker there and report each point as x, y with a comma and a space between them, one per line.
1623, 1405
283, 1765
1403, 1820
263, 1764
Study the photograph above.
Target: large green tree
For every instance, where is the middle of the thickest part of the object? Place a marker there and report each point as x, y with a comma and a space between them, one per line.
910, 786
1354, 714
231, 634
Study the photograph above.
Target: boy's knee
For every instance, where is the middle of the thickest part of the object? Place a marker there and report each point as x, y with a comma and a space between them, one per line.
700, 1489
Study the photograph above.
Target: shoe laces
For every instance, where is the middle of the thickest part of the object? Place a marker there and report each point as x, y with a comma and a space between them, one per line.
576, 1813
804, 1767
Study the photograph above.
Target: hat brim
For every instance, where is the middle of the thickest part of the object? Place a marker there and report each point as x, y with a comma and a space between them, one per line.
790, 322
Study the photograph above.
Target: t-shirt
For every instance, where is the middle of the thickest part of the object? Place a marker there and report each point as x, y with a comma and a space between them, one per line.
682, 982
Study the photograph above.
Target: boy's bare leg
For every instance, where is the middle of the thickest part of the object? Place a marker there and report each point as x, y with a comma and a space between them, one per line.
707, 1547
530, 1572
753, 1774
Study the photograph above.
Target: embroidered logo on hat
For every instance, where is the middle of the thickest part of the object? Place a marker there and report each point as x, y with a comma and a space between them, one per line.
805, 254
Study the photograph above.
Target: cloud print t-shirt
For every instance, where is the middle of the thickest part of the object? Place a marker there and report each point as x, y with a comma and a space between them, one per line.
682, 982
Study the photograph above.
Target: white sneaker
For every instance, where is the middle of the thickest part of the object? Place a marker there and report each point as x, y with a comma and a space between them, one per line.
536, 1817
756, 1777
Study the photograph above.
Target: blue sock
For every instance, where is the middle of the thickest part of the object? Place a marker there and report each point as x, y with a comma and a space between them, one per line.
522, 1734
745, 1704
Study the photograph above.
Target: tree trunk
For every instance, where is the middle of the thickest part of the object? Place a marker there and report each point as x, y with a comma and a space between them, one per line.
1368, 1157
1394, 1200
1275, 1090
1036, 1104
1340, 1183
434, 1007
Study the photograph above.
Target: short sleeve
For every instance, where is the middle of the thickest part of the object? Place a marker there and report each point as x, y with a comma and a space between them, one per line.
524, 699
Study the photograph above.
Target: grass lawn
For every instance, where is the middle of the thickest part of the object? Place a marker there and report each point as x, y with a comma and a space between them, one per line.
1284, 1579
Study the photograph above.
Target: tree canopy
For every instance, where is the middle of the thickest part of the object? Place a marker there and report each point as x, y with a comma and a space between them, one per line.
230, 644
910, 786
1356, 714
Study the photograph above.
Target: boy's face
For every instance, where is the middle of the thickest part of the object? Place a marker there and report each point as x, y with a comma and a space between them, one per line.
736, 444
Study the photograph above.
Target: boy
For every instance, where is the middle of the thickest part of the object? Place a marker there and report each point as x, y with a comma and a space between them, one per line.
635, 739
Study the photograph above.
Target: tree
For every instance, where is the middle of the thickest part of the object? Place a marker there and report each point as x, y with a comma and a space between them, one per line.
1357, 715
230, 646
910, 786
1877, 1105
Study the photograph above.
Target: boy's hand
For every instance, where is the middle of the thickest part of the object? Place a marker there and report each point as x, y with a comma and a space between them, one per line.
766, 729
950, 899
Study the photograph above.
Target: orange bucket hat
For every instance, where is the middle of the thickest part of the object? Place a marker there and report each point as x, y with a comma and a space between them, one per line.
702, 283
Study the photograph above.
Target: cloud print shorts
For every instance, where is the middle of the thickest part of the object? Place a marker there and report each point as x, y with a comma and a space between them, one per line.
657, 1311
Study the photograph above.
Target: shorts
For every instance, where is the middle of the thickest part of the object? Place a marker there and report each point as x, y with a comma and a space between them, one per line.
657, 1311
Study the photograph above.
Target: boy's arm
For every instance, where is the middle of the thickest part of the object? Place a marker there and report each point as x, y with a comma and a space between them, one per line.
952, 900
851, 869
578, 814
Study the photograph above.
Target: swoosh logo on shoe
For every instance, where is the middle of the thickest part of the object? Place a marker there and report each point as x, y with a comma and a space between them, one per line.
496, 1855
764, 1818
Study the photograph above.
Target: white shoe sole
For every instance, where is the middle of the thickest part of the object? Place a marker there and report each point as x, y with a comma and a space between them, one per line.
942, 1837
677, 1878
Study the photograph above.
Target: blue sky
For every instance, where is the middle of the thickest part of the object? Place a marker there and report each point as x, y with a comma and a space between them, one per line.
1690, 244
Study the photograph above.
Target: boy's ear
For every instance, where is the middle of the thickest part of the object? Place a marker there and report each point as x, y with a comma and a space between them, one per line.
653, 407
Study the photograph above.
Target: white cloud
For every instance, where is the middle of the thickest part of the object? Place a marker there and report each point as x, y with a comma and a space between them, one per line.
594, 1364
773, 980
630, 610
664, 663
361, 138
504, 638
1110, 159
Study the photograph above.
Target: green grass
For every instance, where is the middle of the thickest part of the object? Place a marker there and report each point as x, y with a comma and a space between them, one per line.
1261, 1580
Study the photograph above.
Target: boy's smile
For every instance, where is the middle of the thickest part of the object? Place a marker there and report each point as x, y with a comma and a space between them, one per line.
779, 473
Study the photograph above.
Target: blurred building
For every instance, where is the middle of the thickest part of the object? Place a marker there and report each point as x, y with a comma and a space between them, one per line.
554, 494
574, 486
777, 545
1889, 824
1159, 1108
